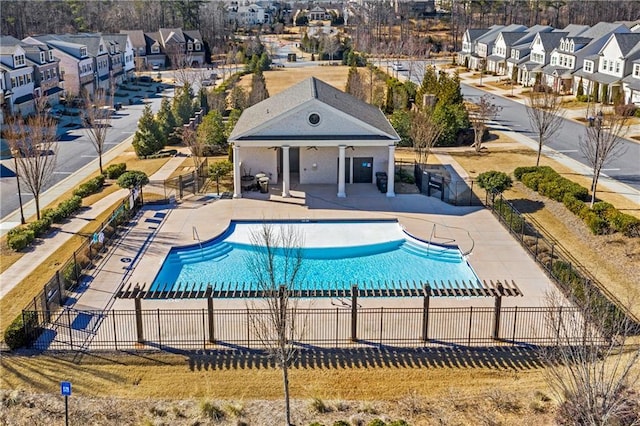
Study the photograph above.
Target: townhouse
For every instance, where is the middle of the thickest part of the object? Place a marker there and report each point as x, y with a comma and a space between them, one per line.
613, 73
166, 47
484, 44
568, 56
502, 48
121, 57
18, 77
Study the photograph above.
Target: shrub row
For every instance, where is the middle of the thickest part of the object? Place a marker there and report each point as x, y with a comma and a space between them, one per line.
115, 170
603, 218
22, 330
92, 186
549, 183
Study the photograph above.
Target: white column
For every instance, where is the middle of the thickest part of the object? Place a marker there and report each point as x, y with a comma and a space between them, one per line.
237, 184
341, 192
285, 171
391, 172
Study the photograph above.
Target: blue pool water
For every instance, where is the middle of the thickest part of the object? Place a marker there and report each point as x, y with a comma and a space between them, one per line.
366, 253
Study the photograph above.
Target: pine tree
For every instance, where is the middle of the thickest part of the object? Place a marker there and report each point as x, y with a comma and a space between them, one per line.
183, 104
258, 88
166, 120
148, 139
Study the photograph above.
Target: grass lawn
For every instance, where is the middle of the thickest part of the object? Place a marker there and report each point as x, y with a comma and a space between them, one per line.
282, 78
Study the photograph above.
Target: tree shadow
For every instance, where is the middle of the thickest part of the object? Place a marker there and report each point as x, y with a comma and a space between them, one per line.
525, 206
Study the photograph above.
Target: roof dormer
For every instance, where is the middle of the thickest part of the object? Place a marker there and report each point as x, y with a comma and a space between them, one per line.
572, 46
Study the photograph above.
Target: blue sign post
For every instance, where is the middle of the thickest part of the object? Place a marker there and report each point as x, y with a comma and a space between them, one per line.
65, 390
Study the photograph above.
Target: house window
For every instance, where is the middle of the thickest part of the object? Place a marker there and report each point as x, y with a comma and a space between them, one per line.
41, 75
19, 60
190, 47
141, 51
610, 65
554, 60
155, 49
570, 62
28, 78
617, 67
20, 80
588, 66
51, 55
13, 82
636, 70
198, 47
101, 49
42, 59
83, 52
604, 65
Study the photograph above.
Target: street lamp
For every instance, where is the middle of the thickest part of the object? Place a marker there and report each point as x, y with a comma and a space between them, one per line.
15, 152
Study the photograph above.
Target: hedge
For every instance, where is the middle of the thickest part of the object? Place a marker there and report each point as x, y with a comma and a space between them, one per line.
20, 238
90, 187
15, 336
39, 227
603, 218
115, 170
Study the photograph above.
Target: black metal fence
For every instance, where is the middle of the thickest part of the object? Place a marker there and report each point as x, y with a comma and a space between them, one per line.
178, 187
67, 278
570, 276
207, 328
433, 183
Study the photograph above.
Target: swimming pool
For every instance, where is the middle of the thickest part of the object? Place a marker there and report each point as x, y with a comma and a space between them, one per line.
337, 254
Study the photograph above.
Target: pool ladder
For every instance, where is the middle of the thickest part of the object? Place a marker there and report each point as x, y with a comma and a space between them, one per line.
433, 231
194, 231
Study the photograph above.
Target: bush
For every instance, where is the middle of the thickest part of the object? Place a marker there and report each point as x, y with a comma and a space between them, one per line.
90, 187
68, 207
624, 223
71, 274
132, 178
22, 331
574, 205
211, 411
494, 181
519, 171
54, 215
115, 170
20, 238
318, 406
596, 224
376, 422
39, 227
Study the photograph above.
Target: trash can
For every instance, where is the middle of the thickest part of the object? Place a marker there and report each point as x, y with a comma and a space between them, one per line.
264, 185
382, 186
380, 176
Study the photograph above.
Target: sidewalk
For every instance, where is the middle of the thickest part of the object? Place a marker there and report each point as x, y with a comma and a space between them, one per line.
573, 114
27, 263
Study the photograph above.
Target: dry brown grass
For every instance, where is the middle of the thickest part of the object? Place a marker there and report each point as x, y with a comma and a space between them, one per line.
283, 78
456, 385
9, 257
610, 259
16, 299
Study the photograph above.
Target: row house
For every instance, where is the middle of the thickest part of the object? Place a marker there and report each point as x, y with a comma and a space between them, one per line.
121, 57
497, 61
613, 73
484, 44
569, 55
469, 42
166, 47
27, 72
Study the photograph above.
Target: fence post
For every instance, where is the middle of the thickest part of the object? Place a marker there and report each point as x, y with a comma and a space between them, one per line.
180, 186
60, 295
470, 324
115, 334
425, 313
471, 194
551, 257
515, 321
69, 327
354, 313
496, 312
212, 338
159, 329
47, 309
75, 268
138, 307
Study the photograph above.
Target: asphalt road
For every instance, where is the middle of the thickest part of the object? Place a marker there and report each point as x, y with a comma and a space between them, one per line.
625, 167
75, 150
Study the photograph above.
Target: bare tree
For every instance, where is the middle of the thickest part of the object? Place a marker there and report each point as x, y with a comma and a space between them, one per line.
479, 114
276, 266
593, 368
96, 119
603, 141
424, 131
195, 144
33, 144
545, 115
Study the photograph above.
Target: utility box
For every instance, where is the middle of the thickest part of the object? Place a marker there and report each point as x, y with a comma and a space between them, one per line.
292, 57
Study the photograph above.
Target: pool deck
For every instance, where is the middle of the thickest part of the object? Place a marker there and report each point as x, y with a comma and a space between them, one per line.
494, 253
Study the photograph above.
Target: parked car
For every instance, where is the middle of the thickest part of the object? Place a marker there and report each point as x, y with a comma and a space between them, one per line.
397, 66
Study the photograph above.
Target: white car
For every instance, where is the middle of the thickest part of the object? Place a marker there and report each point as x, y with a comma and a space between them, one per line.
397, 66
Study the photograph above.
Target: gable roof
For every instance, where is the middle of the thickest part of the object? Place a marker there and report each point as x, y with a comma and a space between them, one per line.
136, 37
627, 42
551, 40
306, 91
475, 33
573, 30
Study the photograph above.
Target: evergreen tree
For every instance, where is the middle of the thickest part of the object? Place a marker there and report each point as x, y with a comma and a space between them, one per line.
166, 120
264, 63
580, 89
148, 139
183, 104
258, 88
211, 132
238, 98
